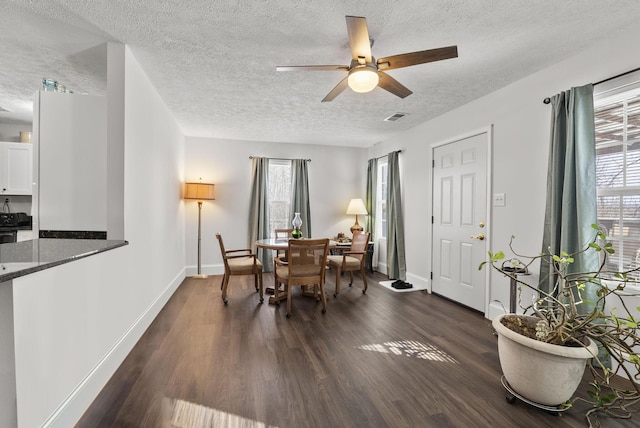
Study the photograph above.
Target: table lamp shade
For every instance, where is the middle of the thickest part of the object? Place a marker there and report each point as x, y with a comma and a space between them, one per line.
199, 191
356, 206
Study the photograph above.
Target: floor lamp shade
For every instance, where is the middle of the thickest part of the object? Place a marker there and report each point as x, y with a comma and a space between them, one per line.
199, 191
356, 207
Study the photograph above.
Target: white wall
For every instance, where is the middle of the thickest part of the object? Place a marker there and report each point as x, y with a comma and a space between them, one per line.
76, 323
70, 157
336, 175
520, 148
154, 165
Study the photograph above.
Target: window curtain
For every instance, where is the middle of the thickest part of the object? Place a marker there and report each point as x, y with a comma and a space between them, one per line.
396, 263
300, 194
370, 202
571, 186
259, 210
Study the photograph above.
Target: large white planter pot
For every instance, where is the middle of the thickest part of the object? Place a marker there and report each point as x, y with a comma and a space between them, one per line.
544, 373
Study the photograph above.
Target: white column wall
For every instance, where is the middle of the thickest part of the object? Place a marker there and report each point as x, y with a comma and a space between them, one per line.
76, 323
336, 175
520, 123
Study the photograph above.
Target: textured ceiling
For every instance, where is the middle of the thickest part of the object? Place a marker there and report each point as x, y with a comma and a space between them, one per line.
213, 62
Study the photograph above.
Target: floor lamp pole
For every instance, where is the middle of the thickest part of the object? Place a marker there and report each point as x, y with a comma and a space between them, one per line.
199, 274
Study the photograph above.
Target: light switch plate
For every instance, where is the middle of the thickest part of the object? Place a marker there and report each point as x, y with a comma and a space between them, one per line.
499, 200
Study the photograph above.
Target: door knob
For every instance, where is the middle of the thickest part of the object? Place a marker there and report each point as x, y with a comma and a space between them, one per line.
480, 237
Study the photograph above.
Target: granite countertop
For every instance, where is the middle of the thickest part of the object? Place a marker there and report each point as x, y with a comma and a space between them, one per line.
22, 258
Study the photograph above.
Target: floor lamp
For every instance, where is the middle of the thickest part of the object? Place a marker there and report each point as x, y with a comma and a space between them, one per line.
199, 191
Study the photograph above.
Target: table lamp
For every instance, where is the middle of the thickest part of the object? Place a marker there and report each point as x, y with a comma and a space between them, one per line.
356, 207
199, 191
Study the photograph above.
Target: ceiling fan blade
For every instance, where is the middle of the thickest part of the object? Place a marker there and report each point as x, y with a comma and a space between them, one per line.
311, 67
420, 57
337, 90
390, 84
359, 38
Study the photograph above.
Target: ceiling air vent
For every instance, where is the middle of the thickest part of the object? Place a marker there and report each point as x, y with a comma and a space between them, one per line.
395, 117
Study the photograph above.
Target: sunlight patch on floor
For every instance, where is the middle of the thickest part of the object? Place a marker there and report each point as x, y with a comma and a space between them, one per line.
183, 414
411, 348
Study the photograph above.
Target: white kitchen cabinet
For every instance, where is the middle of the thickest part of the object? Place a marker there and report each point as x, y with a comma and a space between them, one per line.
16, 168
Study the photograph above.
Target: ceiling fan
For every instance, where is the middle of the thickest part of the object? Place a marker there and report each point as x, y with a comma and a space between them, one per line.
364, 72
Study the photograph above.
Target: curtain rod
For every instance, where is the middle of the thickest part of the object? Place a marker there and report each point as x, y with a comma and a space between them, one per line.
384, 156
251, 157
548, 100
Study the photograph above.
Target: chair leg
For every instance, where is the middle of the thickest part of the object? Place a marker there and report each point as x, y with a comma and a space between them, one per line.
350, 278
222, 283
225, 285
261, 288
323, 296
364, 278
288, 287
276, 288
338, 274
255, 281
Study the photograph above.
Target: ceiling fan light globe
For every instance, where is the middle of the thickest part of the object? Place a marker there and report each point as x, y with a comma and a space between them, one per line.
363, 79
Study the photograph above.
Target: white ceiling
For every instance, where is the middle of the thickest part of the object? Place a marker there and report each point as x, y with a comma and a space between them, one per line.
213, 61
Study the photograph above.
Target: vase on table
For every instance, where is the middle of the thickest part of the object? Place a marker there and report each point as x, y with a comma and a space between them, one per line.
296, 223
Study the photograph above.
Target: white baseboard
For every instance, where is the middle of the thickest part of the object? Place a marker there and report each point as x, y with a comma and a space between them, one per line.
74, 406
206, 270
419, 281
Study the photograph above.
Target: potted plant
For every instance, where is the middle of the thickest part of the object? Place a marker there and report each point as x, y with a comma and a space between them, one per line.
560, 337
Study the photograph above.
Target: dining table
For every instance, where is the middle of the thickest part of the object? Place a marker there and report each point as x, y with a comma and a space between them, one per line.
283, 244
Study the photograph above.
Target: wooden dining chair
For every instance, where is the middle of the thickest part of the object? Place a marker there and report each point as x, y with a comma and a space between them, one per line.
283, 234
240, 262
305, 267
351, 260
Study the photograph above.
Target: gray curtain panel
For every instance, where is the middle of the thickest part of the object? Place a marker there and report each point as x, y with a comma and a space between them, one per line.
300, 194
571, 185
396, 262
259, 210
370, 202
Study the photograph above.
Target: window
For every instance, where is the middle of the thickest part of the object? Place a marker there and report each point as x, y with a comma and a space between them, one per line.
381, 200
279, 194
617, 123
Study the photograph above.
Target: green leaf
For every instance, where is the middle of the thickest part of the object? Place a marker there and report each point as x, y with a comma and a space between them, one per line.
496, 257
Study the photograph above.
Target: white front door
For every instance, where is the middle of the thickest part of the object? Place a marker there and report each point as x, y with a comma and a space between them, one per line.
459, 220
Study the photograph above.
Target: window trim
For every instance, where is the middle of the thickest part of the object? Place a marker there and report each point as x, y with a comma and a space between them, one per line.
381, 232
615, 91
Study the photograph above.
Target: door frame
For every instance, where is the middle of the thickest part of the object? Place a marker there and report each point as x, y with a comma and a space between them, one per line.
489, 183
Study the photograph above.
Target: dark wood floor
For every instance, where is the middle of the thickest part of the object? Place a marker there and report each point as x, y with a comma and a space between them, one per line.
383, 359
